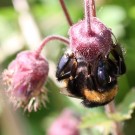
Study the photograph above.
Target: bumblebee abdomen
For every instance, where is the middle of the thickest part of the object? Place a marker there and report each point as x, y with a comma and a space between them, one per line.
94, 98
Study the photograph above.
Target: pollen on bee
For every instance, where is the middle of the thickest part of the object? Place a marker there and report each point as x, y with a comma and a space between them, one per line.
65, 82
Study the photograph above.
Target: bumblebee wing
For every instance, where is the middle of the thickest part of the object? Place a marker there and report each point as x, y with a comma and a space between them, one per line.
64, 91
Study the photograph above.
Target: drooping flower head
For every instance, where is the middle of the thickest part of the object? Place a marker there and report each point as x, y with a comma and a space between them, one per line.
90, 46
90, 38
66, 124
25, 77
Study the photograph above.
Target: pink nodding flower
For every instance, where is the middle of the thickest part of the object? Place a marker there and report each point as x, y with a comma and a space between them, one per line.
25, 78
66, 124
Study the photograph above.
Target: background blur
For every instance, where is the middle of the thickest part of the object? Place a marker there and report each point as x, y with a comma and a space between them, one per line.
23, 25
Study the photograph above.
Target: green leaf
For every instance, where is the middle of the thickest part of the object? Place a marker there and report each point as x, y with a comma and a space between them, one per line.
127, 106
97, 120
94, 119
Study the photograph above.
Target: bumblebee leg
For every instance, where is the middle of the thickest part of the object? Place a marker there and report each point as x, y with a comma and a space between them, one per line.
105, 80
66, 92
118, 55
64, 76
102, 75
74, 88
61, 65
91, 83
113, 68
66, 67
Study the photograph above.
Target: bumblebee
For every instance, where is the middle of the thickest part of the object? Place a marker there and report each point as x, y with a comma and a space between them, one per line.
93, 82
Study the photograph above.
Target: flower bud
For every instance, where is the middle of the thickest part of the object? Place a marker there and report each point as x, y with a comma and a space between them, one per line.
66, 124
25, 78
90, 46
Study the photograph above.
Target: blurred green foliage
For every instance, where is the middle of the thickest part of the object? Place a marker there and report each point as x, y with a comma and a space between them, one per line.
119, 15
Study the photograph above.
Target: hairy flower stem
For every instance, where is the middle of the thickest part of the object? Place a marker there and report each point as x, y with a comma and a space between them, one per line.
92, 8
89, 12
66, 12
50, 38
110, 109
87, 16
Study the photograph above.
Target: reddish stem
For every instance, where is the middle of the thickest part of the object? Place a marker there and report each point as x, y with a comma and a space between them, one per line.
87, 16
65, 12
110, 109
50, 38
90, 12
92, 8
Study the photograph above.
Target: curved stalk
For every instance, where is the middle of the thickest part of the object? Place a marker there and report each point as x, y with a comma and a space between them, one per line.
50, 38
